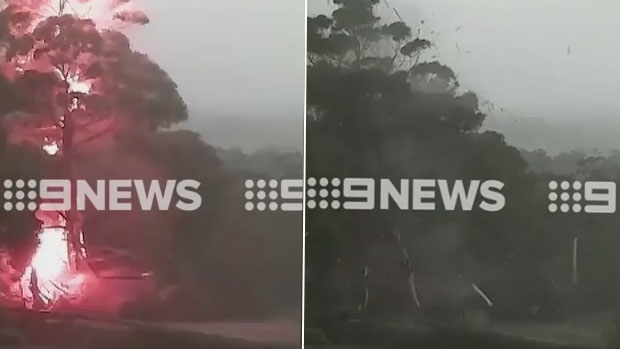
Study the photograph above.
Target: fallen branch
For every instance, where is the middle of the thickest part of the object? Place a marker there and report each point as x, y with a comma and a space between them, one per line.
482, 294
408, 267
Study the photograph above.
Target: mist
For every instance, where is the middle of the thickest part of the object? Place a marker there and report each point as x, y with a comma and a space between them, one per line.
239, 65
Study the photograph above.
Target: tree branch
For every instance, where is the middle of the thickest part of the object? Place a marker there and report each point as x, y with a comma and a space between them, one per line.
409, 268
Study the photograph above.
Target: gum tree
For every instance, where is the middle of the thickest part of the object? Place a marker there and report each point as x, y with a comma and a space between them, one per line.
76, 86
379, 106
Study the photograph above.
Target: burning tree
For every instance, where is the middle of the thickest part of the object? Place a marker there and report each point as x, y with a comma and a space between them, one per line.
77, 87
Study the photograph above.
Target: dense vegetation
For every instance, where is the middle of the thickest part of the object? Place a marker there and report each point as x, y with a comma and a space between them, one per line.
226, 262
377, 107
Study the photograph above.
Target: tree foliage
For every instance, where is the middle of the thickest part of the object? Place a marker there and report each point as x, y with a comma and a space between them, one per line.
49, 58
66, 53
379, 108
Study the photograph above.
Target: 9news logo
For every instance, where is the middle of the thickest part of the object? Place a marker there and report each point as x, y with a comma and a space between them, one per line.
363, 194
589, 197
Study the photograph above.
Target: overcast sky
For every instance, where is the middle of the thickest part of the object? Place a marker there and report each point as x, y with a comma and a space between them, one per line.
232, 59
245, 58
519, 51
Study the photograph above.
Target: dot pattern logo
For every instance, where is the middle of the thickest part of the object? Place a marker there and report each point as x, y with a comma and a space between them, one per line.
324, 193
20, 195
262, 195
565, 196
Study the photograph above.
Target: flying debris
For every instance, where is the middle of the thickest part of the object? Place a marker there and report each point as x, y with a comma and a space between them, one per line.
459, 49
481, 293
393, 9
135, 17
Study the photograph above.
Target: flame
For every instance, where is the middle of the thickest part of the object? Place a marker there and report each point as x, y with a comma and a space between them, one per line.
51, 258
50, 275
78, 86
51, 148
50, 266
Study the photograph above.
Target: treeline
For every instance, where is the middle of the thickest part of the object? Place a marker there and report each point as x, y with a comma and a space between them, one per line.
379, 106
226, 262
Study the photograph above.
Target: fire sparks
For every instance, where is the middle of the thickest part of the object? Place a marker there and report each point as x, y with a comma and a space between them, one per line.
78, 86
51, 148
49, 275
75, 83
55, 271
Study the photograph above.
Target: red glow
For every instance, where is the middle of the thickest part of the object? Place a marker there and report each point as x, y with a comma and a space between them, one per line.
101, 12
50, 265
53, 273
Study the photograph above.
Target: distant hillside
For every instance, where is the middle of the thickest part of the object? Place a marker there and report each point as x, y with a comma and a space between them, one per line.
554, 135
558, 135
283, 132
264, 162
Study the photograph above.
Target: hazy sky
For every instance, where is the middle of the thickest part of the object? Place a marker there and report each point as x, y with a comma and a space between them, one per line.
518, 51
239, 60
232, 59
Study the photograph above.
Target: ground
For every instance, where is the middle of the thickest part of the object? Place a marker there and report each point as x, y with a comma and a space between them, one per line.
586, 332
54, 332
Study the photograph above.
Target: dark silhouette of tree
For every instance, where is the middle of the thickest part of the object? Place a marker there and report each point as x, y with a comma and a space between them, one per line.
72, 91
377, 107
222, 261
